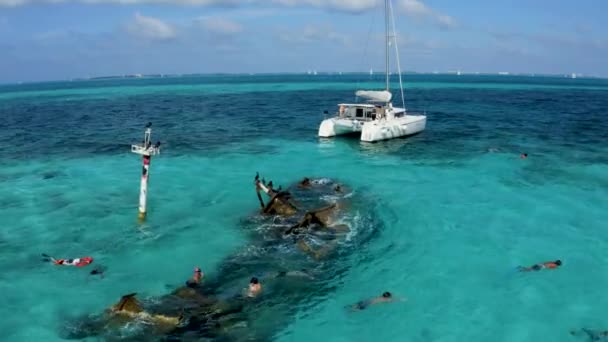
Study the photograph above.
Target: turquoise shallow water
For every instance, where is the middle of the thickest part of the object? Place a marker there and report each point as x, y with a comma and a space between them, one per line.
456, 209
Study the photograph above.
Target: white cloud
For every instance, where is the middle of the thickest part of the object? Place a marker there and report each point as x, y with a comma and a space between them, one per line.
15, 3
12, 3
315, 33
220, 25
417, 9
446, 21
164, 2
253, 13
151, 28
414, 7
341, 5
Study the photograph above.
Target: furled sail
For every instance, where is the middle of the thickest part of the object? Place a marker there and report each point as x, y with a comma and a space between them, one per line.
375, 96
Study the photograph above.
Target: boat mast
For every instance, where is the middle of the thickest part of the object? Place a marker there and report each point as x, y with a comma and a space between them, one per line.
397, 58
387, 42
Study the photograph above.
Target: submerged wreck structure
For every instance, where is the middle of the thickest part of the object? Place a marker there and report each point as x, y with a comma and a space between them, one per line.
299, 247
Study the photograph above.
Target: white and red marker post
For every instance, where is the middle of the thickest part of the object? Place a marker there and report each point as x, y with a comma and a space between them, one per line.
147, 151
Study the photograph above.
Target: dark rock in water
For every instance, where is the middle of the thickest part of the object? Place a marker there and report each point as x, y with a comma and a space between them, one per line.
287, 240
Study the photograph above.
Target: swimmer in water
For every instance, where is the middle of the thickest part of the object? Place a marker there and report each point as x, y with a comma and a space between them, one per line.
545, 265
254, 287
98, 271
78, 262
196, 277
304, 183
523, 156
593, 335
386, 297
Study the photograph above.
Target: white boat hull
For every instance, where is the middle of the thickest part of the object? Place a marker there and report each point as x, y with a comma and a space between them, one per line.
338, 126
378, 130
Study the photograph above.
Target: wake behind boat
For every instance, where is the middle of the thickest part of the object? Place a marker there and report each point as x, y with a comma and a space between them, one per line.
377, 119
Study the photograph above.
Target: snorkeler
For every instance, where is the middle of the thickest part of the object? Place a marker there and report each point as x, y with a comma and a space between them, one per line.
196, 277
544, 265
593, 335
78, 262
386, 297
98, 271
254, 287
304, 183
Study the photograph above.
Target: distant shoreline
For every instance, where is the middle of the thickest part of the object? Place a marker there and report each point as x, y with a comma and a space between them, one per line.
319, 73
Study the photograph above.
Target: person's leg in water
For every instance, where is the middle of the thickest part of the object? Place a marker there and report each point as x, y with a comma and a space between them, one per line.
361, 305
536, 267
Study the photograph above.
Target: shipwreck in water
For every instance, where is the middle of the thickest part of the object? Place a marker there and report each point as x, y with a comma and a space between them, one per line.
299, 244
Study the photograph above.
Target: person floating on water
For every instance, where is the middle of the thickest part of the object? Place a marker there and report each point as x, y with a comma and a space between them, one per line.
386, 297
78, 262
544, 265
523, 156
196, 277
254, 287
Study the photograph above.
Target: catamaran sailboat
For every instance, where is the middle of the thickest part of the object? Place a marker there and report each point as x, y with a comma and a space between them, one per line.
377, 119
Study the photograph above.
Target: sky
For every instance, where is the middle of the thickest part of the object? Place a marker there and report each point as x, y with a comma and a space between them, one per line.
63, 39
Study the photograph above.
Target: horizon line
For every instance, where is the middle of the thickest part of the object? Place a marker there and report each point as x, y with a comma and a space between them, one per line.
310, 72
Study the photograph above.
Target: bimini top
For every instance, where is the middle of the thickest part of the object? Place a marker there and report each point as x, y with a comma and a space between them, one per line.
375, 96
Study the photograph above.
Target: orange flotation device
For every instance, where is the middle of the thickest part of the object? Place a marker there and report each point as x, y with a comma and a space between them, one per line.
80, 262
